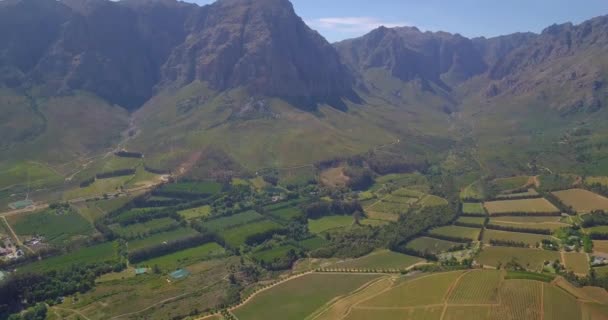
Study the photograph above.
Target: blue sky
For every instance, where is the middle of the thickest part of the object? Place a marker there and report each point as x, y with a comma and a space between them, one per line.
341, 19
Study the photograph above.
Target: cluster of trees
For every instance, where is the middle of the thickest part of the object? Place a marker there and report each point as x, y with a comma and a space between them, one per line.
359, 178
417, 221
115, 173
22, 290
37, 312
508, 243
352, 244
320, 209
417, 253
559, 203
156, 171
596, 218
516, 229
283, 262
87, 182
129, 154
598, 188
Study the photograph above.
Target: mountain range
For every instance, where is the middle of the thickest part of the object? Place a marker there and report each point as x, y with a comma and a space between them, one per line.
244, 85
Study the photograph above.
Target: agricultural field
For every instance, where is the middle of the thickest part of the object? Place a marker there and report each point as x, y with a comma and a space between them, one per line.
532, 259
198, 188
413, 181
522, 205
98, 188
162, 237
556, 182
528, 194
195, 213
576, 262
520, 299
232, 221
426, 290
187, 257
477, 287
286, 213
329, 223
600, 246
582, 201
380, 260
499, 221
57, 227
456, 231
527, 219
269, 255
511, 183
473, 208
527, 238
401, 200
300, 297
238, 235
472, 220
145, 228
98, 253
431, 245
558, 304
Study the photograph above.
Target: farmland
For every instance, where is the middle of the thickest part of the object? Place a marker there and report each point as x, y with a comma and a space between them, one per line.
98, 253
238, 235
477, 287
524, 205
426, 290
329, 223
146, 228
380, 260
558, 304
532, 259
195, 188
473, 208
521, 299
527, 238
531, 193
432, 245
472, 220
600, 246
56, 227
195, 213
582, 201
233, 221
298, 298
523, 224
186, 257
457, 232
576, 262
400, 200
160, 238
511, 183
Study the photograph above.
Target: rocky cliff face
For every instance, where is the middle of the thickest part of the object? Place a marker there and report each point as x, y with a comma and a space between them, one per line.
260, 44
408, 54
123, 51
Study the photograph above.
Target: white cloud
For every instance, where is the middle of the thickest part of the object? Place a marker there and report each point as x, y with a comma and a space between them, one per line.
351, 24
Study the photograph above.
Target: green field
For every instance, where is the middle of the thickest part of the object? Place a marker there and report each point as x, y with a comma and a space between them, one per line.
527, 225
236, 220
426, 290
380, 260
477, 287
269, 255
431, 245
194, 213
531, 259
312, 243
456, 231
238, 235
527, 238
298, 298
329, 223
286, 213
203, 187
98, 253
603, 180
522, 205
472, 220
56, 227
160, 238
474, 191
527, 219
506, 184
473, 208
143, 229
186, 257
